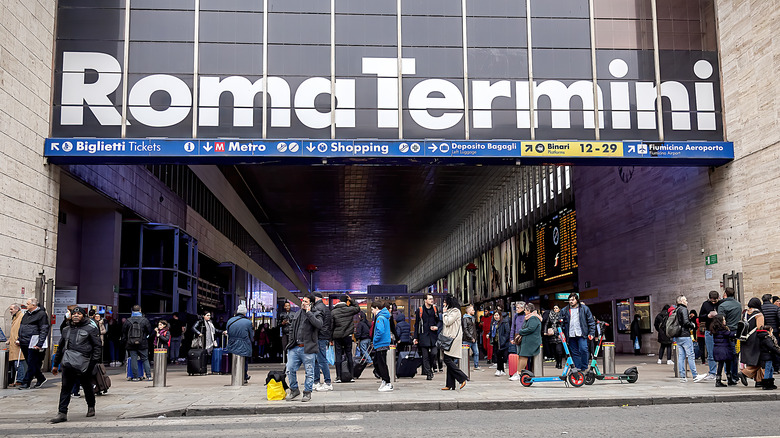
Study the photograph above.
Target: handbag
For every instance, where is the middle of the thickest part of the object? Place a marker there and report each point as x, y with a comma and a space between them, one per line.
445, 342
331, 355
74, 360
197, 343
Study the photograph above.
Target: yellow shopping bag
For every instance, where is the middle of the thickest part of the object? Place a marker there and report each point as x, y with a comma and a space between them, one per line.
275, 390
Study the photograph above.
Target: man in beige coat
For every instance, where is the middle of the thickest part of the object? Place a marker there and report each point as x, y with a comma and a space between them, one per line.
15, 356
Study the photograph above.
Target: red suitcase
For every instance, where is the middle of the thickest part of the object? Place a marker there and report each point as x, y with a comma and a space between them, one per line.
513, 359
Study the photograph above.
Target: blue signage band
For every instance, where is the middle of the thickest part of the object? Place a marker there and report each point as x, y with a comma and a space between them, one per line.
204, 151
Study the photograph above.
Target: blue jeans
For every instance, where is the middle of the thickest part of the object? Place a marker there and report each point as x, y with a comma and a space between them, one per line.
175, 346
710, 343
322, 362
295, 357
19, 372
143, 353
474, 352
578, 346
685, 350
769, 370
113, 354
363, 350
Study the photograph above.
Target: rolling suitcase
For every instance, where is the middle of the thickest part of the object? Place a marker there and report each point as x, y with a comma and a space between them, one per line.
513, 360
100, 380
408, 362
220, 361
344, 372
196, 361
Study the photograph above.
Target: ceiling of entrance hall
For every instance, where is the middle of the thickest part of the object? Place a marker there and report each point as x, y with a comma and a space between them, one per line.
361, 225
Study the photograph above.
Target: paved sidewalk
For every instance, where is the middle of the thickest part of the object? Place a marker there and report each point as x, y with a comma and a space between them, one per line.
210, 395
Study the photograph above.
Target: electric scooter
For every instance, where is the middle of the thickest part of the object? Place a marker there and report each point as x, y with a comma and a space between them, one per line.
576, 378
593, 373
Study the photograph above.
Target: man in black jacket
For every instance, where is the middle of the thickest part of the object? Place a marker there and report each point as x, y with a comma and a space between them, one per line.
303, 347
33, 335
772, 319
426, 332
708, 311
135, 338
343, 325
81, 341
283, 321
324, 339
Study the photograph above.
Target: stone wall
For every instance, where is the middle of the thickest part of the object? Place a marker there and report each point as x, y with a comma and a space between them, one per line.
29, 188
650, 235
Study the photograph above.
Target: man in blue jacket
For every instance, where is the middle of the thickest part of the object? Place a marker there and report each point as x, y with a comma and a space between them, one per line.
381, 343
579, 326
240, 334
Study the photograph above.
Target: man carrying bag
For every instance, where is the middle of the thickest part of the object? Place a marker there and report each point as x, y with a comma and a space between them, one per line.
79, 352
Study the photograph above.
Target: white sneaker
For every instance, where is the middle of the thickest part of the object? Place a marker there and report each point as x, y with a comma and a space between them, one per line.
324, 387
700, 378
493, 366
683, 379
317, 386
381, 385
660, 361
515, 377
711, 377
670, 362
502, 373
387, 388
498, 373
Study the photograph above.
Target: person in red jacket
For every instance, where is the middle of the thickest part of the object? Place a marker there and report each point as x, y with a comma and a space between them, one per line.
486, 320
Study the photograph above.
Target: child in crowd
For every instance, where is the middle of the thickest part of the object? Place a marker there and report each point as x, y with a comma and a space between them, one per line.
769, 353
722, 351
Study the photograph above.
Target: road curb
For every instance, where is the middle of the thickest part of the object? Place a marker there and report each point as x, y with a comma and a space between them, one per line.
296, 407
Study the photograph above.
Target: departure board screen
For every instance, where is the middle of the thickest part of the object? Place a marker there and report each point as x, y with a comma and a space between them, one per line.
556, 245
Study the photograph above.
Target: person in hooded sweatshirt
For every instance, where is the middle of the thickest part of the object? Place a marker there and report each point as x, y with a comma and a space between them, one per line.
769, 353
381, 343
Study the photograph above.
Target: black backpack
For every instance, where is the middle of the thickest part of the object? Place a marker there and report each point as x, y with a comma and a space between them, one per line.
135, 334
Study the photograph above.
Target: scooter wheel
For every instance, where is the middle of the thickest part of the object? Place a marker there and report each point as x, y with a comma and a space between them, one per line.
576, 379
526, 380
590, 377
633, 376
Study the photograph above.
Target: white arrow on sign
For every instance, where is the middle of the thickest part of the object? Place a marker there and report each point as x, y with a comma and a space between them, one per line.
632, 149
207, 148
310, 148
433, 147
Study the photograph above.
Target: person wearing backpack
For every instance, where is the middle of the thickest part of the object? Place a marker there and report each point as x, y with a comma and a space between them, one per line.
750, 344
679, 327
663, 339
135, 338
731, 310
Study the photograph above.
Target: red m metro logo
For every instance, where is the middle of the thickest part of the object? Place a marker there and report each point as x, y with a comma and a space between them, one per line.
219, 146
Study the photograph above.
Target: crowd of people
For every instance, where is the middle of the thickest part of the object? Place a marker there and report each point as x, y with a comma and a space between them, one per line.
722, 334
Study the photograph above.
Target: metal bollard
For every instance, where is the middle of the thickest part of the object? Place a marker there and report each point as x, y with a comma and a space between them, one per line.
538, 363
4, 368
465, 360
391, 362
160, 367
237, 375
609, 358
674, 362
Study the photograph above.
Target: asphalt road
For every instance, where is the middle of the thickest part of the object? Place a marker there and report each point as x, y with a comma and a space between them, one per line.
691, 420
